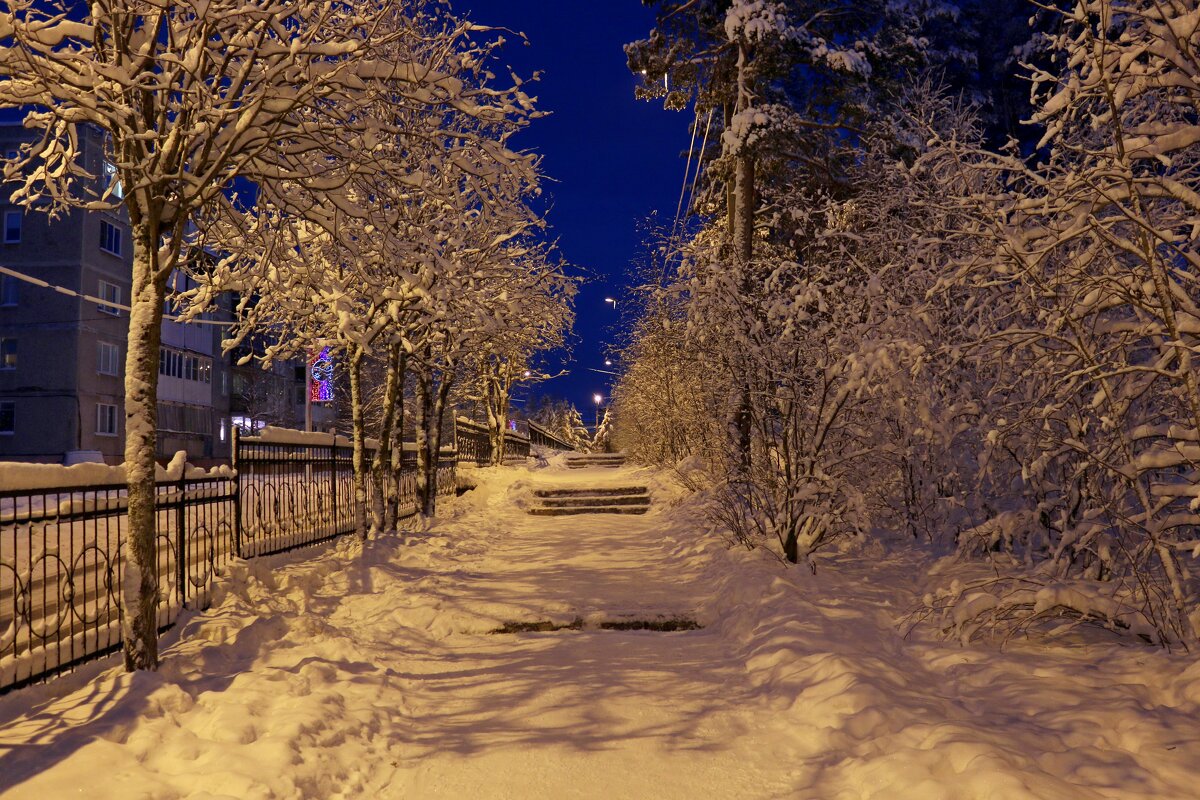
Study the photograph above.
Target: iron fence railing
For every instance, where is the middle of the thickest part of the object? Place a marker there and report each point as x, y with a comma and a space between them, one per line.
61, 554
474, 446
543, 438
61, 550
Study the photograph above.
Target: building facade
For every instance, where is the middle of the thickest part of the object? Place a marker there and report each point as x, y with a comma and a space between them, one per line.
62, 357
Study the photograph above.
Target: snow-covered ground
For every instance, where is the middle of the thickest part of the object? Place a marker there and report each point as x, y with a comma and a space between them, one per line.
350, 671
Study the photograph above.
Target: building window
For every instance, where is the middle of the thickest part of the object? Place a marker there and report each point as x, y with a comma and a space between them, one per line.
110, 238
111, 293
224, 383
106, 419
108, 357
8, 353
174, 364
8, 418
8, 290
12, 226
112, 182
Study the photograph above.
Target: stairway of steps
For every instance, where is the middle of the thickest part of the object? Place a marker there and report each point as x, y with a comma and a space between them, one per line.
587, 460
608, 500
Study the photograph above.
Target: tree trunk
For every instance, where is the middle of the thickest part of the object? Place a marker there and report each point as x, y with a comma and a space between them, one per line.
359, 436
435, 437
496, 401
383, 455
425, 487
139, 581
397, 464
741, 217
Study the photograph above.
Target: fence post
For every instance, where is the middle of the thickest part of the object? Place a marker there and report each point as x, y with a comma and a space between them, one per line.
236, 443
181, 539
333, 481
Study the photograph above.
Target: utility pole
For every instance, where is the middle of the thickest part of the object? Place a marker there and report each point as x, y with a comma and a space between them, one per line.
307, 393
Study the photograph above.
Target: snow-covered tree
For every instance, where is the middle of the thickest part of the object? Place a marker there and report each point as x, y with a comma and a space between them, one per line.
562, 419
1096, 401
193, 98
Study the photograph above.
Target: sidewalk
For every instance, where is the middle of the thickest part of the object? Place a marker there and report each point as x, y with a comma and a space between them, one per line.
348, 672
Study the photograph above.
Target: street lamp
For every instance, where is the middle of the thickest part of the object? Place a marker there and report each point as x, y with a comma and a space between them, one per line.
611, 300
598, 398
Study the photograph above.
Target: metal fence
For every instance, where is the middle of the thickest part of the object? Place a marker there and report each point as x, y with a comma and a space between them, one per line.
474, 446
61, 554
541, 437
61, 550
294, 494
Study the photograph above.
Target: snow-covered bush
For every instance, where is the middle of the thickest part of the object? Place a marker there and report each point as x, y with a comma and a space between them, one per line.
971, 347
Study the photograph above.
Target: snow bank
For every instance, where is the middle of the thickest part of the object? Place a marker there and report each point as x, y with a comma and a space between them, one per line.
16, 476
273, 435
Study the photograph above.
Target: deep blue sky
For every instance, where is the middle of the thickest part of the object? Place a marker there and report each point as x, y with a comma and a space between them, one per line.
610, 159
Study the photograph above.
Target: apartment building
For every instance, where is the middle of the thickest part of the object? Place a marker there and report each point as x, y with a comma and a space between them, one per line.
62, 358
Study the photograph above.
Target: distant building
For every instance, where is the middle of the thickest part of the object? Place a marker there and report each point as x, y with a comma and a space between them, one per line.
277, 395
62, 358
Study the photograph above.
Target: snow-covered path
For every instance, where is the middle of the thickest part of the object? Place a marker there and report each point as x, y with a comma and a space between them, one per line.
375, 675
371, 672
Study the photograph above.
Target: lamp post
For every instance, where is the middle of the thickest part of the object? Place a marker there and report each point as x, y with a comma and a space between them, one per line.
611, 300
597, 398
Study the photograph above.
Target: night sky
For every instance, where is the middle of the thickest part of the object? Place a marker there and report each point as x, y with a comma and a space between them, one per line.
610, 160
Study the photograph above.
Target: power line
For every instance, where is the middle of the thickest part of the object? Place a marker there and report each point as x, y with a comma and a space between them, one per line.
683, 190
101, 302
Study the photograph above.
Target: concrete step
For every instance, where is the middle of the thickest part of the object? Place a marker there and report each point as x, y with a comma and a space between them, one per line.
564, 512
606, 491
594, 466
592, 502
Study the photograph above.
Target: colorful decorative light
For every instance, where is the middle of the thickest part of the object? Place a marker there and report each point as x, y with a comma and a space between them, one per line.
320, 368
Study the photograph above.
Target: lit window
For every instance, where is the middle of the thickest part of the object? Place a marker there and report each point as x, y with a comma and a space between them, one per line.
8, 353
106, 419
108, 356
12, 226
112, 182
8, 418
8, 290
111, 293
110, 238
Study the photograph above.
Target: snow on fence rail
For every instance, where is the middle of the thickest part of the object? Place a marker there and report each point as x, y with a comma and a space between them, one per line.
61, 545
